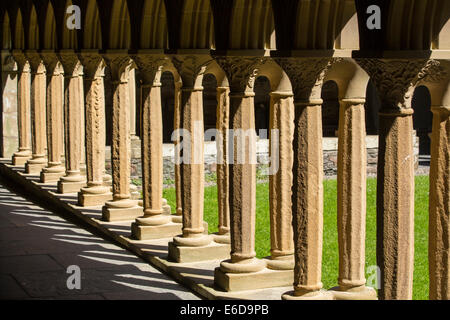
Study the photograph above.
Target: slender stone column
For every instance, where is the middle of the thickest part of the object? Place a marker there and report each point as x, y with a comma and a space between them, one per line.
280, 184
176, 127
96, 192
55, 101
306, 77
351, 181
156, 222
24, 110
122, 207
223, 195
38, 114
191, 70
132, 88
439, 228
73, 181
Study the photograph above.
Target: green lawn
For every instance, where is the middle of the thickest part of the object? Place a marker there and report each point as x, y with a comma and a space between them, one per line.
330, 261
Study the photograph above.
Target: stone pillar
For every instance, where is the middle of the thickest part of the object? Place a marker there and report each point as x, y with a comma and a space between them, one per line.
439, 226
223, 195
395, 81
9, 106
280, 184
156, 222
24, 109
96, 192
191, 70
132, 88
55, 101
73, 181
122, 207
38, 115
83, 124
351, 181
306, 77
177, 167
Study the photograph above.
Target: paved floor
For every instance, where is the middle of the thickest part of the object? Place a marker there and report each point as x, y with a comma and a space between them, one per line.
37, 247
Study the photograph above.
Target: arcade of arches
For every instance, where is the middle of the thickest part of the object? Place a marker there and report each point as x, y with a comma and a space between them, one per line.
308, 68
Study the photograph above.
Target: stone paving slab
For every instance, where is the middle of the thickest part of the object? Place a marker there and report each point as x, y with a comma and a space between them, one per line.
198, 276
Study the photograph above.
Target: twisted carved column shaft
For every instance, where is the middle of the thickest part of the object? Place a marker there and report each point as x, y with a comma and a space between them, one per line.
439, 220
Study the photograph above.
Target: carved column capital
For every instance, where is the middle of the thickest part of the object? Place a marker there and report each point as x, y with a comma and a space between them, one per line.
120, 65
22, 61
36, 62
151, 67
191, 68
241, 71
52, 63
9, 64
71, 64
306, 75
93, 65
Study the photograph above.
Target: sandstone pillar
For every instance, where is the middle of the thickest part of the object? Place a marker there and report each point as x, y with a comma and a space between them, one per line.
96, 192
24, 110
156, 222
351, 223
306, 77
439, 226
280, 181
177, 167
73, 180
38, 115
55, 102
132, 88
223, 195
122, 207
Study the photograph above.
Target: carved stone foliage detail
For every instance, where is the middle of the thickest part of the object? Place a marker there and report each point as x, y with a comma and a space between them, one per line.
306, 75
21, 59
120, 66
52, 63
36, 62
71, 64
241, 71
191, 68
151, 67
94, 65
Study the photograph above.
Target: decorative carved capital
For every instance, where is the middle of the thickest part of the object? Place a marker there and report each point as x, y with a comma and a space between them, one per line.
93, 65
306, 75
36, 62
71, 64
433, 72
120, 66
191, 69
241, 71
151, 67
52, 63
9, 65
21, 60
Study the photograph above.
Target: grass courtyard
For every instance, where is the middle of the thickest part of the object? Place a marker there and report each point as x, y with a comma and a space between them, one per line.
330, 260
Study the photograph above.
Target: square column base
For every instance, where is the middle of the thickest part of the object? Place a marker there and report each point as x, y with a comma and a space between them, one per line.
213, 251
168, 230
51, 176
90, 200
265, 278
34, 168
70, 187
121, 214
20, 161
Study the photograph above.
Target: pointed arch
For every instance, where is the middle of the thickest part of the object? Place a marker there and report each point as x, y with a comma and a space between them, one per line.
92, 27
120, 27
33, 34
50, 36
69, 37
197, 25
154, 32
6, 34
252, 25
19, 32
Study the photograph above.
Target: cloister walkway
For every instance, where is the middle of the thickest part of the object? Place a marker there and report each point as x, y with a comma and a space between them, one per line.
37, 246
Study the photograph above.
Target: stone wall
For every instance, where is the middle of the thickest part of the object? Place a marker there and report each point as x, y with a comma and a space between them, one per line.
330, 146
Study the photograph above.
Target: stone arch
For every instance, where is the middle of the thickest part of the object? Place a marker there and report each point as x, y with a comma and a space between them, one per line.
92, 35
6, 34
69, 37
330, 108
252, 25
19, 32
50, 36
441, 28
197, 25
154, 32
120, 26
33, 33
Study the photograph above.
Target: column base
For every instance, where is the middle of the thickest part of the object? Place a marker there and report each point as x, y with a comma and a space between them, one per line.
111, 214
70, 186
52, 174
280, 264
20, 159
265, 278
359, 293
316, 295
211, 251
168, 230
34, 168
91, 200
